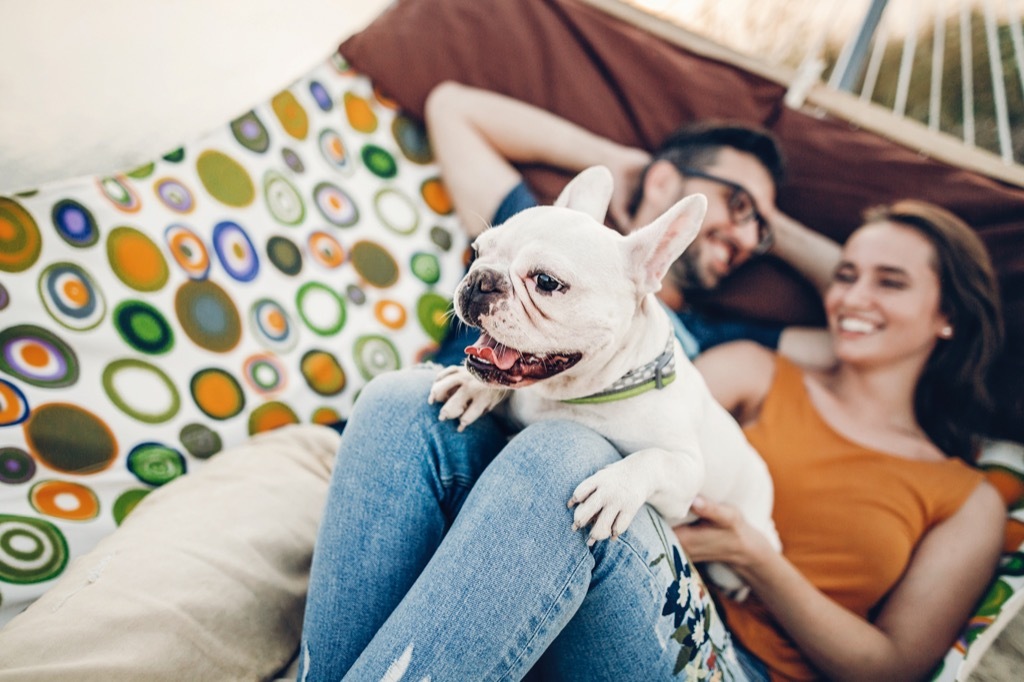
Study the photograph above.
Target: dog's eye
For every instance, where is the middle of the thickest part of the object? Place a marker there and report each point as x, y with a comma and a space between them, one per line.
547, 283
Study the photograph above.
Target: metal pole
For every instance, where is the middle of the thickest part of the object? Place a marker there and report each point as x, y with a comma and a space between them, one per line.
855, 65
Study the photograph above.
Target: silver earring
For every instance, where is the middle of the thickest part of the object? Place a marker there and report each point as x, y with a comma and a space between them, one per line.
946, 332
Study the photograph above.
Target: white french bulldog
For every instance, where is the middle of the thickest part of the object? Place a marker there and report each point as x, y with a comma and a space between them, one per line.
571, 324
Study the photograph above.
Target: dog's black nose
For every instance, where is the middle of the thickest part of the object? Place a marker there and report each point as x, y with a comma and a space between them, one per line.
488, 282
481, 290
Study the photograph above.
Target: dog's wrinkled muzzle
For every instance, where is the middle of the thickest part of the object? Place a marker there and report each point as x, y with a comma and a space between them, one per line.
480, 292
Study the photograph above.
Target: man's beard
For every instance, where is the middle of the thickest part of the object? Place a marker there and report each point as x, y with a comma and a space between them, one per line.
686, 273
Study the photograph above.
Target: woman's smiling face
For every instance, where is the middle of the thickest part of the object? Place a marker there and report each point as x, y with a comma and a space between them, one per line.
884, 301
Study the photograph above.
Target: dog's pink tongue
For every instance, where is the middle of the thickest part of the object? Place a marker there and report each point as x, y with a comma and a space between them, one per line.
487, 349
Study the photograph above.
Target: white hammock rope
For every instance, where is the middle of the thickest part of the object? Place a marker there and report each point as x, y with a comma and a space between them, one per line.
1017, 37
967, 70
938, 63
907, 62
875, 64
995, 59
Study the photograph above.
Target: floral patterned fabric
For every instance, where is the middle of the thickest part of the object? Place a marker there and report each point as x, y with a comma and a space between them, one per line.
695, 619
705, 646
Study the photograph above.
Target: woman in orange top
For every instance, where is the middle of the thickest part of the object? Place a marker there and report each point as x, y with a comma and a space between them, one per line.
889, 537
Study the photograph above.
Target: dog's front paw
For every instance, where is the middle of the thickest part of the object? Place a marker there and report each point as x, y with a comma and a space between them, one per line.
607, 502
465, 397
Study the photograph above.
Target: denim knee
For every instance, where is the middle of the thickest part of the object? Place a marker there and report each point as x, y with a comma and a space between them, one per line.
401, 392
560, 444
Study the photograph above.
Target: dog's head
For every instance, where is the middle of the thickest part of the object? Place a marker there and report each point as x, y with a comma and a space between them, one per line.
555, 292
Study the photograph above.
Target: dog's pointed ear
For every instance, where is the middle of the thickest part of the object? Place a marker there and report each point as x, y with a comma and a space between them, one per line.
652, 249
589, 192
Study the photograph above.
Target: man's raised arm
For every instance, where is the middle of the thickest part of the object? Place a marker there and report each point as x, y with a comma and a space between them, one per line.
811, 253
477, 135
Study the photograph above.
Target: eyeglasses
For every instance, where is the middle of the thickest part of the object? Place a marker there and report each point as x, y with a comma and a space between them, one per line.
742, 208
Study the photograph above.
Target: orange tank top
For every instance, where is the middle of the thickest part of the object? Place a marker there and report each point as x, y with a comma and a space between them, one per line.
849, 517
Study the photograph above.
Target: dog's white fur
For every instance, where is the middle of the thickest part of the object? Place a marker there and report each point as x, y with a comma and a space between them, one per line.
677, 442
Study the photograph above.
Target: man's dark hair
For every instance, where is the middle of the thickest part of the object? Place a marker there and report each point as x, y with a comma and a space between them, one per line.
696, 145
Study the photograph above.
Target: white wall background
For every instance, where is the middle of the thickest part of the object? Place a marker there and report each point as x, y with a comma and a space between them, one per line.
98, 86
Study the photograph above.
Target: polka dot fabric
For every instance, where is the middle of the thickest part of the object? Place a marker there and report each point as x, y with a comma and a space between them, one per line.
256, 278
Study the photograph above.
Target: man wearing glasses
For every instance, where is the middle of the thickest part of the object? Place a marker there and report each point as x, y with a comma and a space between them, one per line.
478, 135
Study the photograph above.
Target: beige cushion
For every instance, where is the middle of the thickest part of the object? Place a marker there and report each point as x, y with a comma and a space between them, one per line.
205, 580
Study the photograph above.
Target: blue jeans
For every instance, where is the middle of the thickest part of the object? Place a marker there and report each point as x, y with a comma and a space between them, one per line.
451, 556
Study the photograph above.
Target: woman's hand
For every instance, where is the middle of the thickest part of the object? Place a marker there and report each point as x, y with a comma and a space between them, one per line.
722, 534
627, 165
